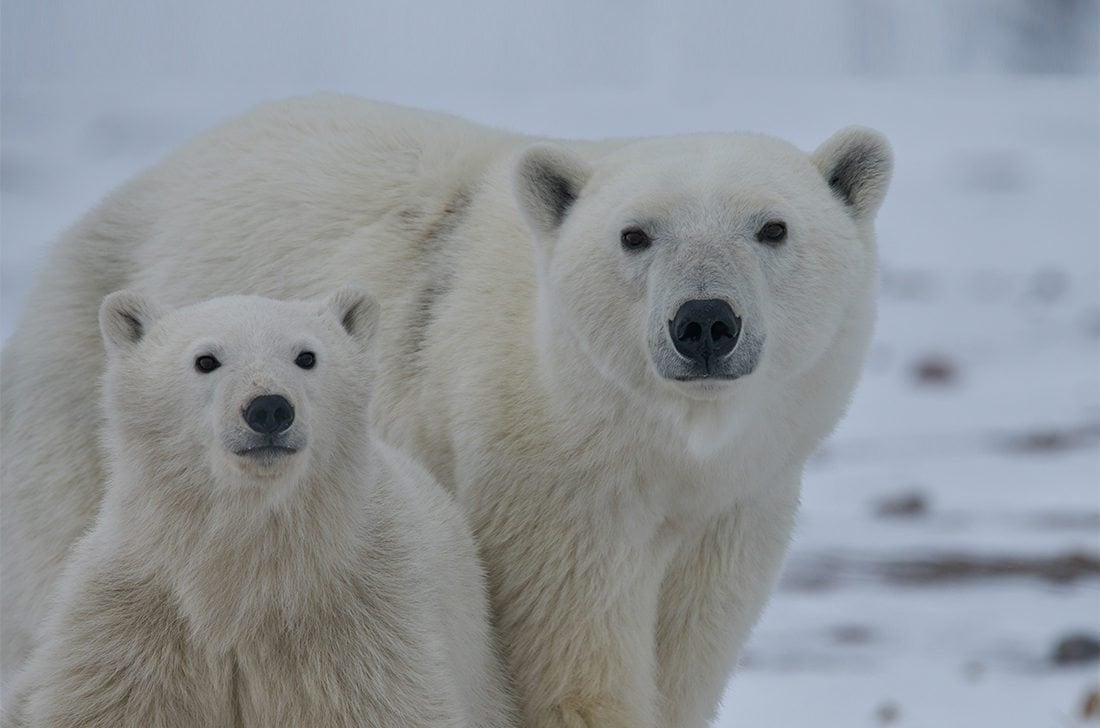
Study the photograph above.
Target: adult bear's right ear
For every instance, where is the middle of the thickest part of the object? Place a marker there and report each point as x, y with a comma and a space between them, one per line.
125, 318
857, 163
548, 180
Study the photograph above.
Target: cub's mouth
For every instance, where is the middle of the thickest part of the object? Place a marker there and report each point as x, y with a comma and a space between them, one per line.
266, 452
267, 449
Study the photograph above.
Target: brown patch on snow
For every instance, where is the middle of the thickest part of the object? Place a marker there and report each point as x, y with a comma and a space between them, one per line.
935, 371
947, 569
1052, 439
912, 504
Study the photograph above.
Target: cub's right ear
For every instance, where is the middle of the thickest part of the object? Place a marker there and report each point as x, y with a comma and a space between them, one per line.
355, 309
125, 318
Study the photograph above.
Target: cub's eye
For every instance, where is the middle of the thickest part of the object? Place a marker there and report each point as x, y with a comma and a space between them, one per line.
207, 363
773, 232
306, 360
635, 239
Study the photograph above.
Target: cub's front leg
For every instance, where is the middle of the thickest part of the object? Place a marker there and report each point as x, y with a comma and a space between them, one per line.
714, 591
350, 662
115, 654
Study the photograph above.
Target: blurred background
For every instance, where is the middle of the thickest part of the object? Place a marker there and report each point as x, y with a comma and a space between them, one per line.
946, 569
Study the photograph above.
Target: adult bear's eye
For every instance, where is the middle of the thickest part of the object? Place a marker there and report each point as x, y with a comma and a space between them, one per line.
207, 363
635, 239
773, 232
306, 360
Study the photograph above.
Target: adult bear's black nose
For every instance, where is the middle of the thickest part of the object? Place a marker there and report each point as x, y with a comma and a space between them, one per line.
269, 414
705, 330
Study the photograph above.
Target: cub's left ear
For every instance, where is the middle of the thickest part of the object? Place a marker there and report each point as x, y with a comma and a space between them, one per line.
125, 318
548, 180
355, 309
857, 163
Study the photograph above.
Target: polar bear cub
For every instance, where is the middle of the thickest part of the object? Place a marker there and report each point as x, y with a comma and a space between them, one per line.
258, 558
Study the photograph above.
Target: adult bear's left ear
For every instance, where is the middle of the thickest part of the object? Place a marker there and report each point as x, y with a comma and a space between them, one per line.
548, 180
857, 162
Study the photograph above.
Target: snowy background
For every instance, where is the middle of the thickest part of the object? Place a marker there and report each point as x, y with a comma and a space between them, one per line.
949, 542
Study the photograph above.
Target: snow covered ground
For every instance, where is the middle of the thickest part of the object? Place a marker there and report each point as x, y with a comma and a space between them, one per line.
950, 533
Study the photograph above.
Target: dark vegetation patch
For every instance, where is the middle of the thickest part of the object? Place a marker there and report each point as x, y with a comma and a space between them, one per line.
825, 572
852, 634
1076, 649
1068, 521
1052, 440
912, 504
1090, 705
935, 370
954, 568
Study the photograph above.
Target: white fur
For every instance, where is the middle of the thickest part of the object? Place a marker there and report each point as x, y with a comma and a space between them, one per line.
632, 525
337, 585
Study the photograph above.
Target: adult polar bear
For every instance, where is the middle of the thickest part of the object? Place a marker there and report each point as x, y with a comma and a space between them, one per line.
618, 354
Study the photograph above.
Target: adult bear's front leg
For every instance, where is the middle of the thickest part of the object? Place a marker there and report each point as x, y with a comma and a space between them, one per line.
714, 591
576, 612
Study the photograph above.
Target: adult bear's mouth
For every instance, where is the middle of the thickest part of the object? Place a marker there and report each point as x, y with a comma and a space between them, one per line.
711, 374
705, 377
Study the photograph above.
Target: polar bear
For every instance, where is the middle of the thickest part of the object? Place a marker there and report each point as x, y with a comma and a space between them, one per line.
259, 559
618, 355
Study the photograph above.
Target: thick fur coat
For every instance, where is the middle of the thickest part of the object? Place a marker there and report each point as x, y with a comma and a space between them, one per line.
632, 505
260, 566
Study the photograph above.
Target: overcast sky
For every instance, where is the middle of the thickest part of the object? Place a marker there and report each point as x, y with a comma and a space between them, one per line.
380, 48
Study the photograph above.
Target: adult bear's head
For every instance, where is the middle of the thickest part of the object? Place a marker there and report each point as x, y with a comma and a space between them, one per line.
694, 267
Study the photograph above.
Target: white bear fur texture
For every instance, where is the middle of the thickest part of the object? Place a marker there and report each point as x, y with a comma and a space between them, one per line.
289, 572
632, 507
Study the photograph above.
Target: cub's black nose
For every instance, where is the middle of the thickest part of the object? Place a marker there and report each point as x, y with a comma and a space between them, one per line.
269, 414
705, 330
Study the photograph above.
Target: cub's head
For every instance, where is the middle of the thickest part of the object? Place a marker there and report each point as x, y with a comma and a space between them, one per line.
695, 268
243, 391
